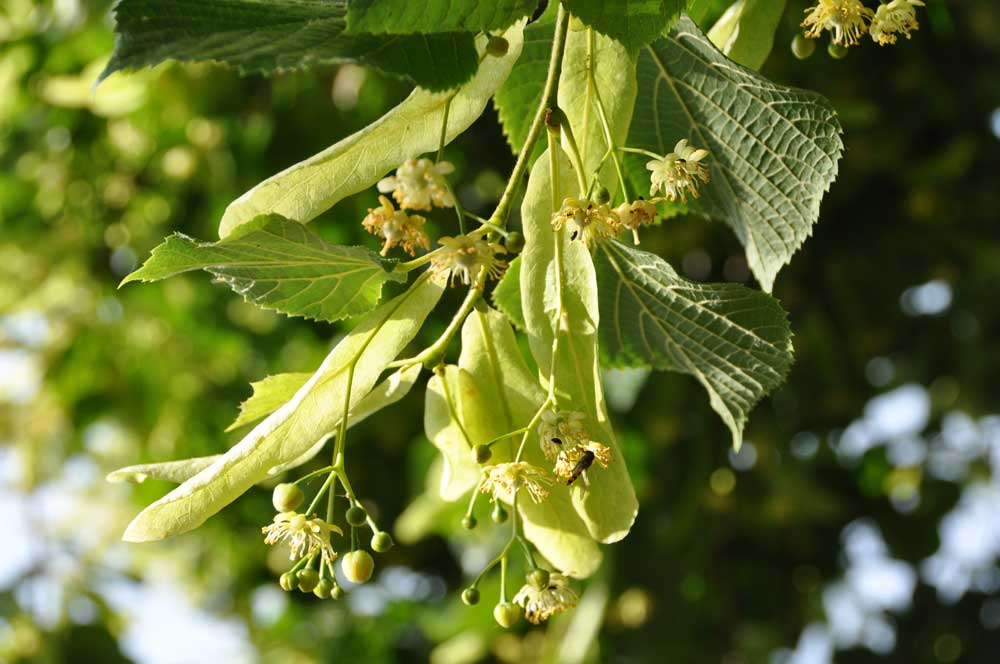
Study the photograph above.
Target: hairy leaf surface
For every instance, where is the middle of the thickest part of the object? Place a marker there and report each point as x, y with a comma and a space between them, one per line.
608, 506
269, 36
431, 16
736, 341
306, 189
293, 429
281, 265
773, 149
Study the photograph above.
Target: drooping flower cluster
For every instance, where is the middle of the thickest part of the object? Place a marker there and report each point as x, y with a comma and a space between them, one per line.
396, 227
679, 173
304, 536
896, 17
541, 604
849, 20
466, 257
419, 184
636, 214
587, 221
564, 438
505, 479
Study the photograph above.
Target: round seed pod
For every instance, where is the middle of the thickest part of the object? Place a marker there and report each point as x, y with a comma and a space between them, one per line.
506, 614
357, 566
287, 497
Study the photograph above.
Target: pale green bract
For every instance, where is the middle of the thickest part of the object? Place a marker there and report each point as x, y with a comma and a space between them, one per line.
608, 506
736, 341
270, 394
745, 33
281, 265
303, 191
773, 150
293, 429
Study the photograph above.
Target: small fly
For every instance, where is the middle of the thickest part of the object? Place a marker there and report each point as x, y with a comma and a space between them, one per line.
585, 462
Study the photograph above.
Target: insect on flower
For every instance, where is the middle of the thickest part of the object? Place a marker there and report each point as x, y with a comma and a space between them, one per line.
573, 462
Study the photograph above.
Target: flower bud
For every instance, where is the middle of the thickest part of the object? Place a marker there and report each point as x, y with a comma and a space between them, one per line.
323, 588
470, 596
497, 46
337, 592
469, 522
357, 566
514, 242
506, 614
481, 453
602, 195
307, 579
381, 542
287, 581
287, 497
836, 51
356, 515
499, 514
802, 46
539, 578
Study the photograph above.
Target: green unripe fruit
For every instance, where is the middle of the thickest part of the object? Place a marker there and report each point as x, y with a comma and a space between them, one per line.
836, 51
287, 581
358, 566
481, 453
287, 497
602, 195
497, 46
356, 515
308, 579
514, 242
802, 46
470, 596
469, 522
506, 614
381, 542
337, 592
323, 588
499, 514
539, 578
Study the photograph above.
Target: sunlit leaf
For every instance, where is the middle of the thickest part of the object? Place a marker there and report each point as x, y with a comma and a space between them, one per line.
736, 341
408, 17
268, 395
507, 294
773, 149
634, 23
745, 33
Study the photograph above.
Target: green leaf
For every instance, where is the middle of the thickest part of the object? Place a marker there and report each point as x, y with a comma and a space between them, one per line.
634, 23
408, 17
303, 191
745, 33
608, 506
270, 36
292, 430
773, 149
510, 397
268, 395
168, 471
507, 294
518, 98
281, 265
736, 341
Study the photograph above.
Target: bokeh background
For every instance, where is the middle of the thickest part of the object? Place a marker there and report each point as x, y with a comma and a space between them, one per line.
859, 523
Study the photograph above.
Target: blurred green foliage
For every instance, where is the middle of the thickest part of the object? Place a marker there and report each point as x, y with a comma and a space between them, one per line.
724, 565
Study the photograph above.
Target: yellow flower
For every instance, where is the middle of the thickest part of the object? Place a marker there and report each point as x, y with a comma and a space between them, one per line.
589, 222
540, 605
465, 257
895, 17
573, 462
304, 536
396, 227
559, 430
419, 184
679, 172
635, 214
506, 479
846, 19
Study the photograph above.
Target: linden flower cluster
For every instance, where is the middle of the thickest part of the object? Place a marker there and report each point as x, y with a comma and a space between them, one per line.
679, 173
396, 228
419, 184
564, 439
588, 221
849, 20
304, 536
505, 479
468, 259
540, 604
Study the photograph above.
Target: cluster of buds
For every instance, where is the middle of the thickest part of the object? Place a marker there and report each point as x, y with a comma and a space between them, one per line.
308, 538
849, 20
